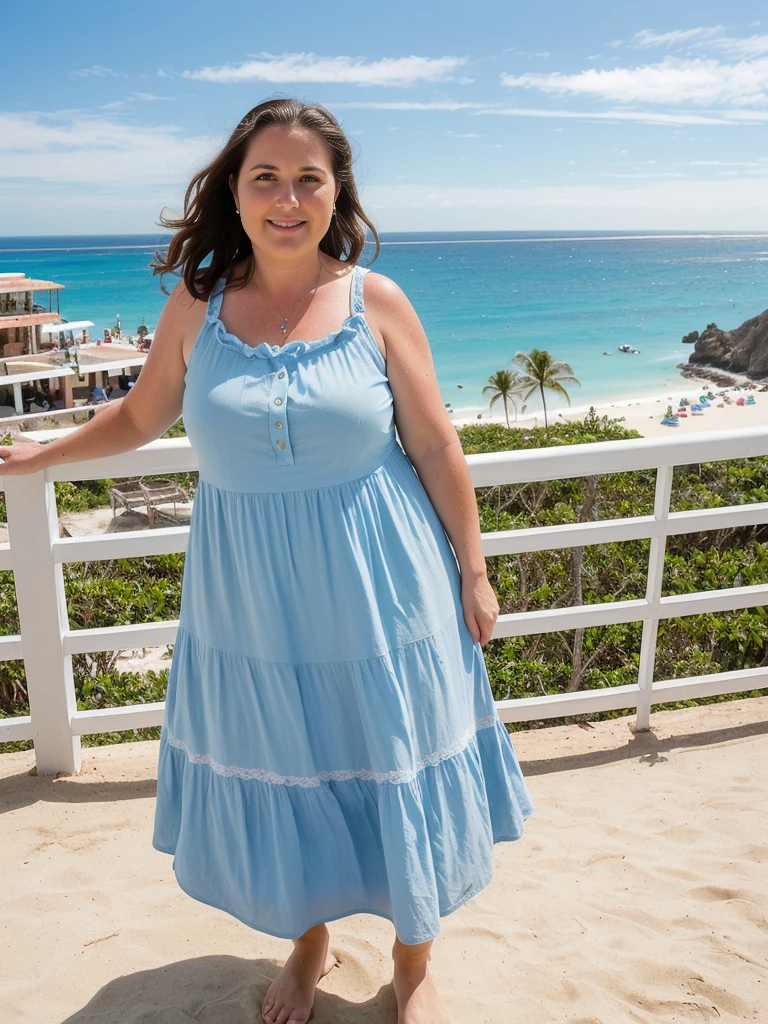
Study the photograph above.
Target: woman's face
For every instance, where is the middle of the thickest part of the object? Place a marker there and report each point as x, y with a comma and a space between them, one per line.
286, 177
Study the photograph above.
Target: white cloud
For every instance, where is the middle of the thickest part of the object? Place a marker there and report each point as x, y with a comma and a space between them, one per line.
72, 148
405, 105
145, 97
684, 204
79, 174
309, 67
149, 97
710, 38
753, 46
727, 163
647, 37
643, 116
657, 175
672, 81
525, 53
97, 71
721, 117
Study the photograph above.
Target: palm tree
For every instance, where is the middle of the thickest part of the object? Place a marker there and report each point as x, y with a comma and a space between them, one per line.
543, 372
505, 386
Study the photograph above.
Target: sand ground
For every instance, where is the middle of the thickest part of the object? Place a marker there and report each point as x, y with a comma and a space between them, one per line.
644, 414
639, 893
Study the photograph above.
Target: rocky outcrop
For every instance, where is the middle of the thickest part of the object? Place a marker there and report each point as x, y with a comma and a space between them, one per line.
744, 350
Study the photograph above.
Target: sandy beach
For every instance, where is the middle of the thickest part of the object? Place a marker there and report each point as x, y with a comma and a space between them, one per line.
638, 894
644, 413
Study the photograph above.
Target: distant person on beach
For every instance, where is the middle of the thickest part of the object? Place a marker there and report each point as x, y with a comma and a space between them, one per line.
331, 744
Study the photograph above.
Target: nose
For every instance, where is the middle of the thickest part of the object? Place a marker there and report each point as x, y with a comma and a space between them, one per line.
286, 198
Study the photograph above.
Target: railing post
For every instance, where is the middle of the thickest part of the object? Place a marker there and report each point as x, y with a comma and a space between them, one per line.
39, 579
653, 589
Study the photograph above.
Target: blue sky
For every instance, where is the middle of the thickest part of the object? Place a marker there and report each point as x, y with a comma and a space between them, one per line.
462, 116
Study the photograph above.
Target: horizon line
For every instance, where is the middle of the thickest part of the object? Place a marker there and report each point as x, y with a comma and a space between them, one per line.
638, 236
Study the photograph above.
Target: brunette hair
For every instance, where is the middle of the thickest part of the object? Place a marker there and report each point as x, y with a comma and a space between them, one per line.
210, 223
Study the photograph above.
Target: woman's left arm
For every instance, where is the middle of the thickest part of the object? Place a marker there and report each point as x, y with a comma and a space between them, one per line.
430, 440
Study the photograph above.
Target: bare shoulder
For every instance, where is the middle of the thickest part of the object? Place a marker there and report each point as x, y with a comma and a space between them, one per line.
384, 293
155, 400
182, 304
181, 320
391, 315
422, 423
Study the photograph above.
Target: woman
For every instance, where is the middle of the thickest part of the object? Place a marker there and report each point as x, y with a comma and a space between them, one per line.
330, 744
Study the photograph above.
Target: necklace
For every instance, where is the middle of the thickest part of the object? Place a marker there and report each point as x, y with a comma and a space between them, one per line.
284, 324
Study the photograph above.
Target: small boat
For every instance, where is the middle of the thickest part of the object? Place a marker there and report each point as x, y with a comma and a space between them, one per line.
635, 351
710, 396
624, 348
696, 409
703, 402
740, 400
685, 401
751, 400
607, 353
682, 413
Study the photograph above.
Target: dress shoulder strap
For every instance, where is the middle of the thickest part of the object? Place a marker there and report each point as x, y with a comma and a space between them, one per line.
356, 297
215, 298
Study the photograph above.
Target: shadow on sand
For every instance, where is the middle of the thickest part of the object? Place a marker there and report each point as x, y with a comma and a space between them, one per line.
218, 990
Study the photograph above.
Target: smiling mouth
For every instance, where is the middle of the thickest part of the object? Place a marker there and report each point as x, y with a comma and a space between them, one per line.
286, 225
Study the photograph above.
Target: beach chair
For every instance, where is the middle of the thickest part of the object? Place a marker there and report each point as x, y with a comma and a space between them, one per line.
161, 492
126, 494
145, 497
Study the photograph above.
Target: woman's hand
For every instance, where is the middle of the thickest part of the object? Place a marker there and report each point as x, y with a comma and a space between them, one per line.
23, 457
481, 607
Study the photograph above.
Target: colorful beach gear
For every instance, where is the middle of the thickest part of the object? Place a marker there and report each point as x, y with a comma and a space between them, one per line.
331, 744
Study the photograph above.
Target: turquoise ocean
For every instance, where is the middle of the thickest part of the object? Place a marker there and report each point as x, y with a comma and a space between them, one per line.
482, 297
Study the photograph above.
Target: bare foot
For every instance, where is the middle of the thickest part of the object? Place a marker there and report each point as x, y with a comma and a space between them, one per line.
418, 1001
290, 997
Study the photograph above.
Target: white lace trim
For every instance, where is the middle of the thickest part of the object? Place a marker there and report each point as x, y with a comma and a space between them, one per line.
341, 775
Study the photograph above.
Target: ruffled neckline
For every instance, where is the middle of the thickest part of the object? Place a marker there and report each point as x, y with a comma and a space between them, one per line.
264, 350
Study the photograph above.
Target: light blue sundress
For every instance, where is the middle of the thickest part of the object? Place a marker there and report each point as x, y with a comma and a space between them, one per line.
331, 744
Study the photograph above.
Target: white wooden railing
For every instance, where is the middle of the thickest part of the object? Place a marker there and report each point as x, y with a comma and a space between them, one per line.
36, 554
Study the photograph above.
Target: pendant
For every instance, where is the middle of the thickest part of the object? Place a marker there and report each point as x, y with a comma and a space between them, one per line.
283, 325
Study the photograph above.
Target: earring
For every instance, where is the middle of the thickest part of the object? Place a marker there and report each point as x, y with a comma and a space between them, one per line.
334, 210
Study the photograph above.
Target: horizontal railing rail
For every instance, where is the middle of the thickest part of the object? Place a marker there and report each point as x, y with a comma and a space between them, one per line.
36, 553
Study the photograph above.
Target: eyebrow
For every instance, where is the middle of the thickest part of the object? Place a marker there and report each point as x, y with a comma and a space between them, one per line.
271, 167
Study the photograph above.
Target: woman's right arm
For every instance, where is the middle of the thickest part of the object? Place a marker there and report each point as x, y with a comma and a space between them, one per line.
144, 414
